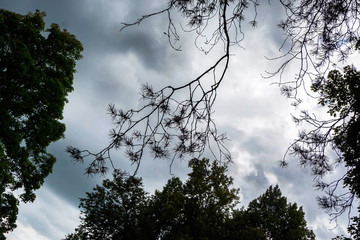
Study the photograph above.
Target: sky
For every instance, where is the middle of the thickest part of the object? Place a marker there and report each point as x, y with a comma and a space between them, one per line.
249, 109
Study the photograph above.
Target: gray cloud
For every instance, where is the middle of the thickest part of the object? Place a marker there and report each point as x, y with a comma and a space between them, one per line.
115, 63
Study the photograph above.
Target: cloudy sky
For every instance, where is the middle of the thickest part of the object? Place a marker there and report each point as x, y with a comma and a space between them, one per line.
249, 109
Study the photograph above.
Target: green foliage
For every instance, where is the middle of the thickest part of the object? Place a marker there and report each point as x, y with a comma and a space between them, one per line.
73, 236
36, 74
196, 209
340, 135
341, 94
112, 211
354, 228
167, 207
271, 217
200, 208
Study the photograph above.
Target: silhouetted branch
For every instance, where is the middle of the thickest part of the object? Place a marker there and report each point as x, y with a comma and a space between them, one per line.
319, 34
333, 142
176, 121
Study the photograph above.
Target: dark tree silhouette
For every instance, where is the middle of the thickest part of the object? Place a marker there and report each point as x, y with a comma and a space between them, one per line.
353, 229
196, 209
270, 216
113, 210
323, 33
36, 75
200, 208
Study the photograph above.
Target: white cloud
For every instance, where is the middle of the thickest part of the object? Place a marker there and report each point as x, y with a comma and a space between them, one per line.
27, 232
48, 217
273, 180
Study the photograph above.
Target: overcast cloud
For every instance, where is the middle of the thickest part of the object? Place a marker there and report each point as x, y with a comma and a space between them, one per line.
249, 109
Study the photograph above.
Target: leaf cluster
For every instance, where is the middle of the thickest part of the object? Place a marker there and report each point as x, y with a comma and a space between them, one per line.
270, 216
36, 75
121, 209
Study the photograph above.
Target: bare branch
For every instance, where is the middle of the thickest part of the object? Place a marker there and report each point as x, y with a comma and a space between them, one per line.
176, 121
333, 142
320, 34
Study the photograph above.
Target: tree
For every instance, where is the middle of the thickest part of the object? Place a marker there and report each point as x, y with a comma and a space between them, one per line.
166, 210
36, 74
320, 34
354, 228
113, 211
120, 209
196, 209
200, 208
334, 142
270, 217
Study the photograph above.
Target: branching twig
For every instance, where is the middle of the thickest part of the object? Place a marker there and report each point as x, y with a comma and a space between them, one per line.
176, 121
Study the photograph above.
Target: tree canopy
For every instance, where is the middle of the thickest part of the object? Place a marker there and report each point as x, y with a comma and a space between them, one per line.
270, 216
203, 207
36, 75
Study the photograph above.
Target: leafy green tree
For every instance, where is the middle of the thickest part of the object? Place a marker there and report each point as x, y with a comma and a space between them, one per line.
341, 95
196, 209
113, 210
200, 208
241, 226
354, 228
74, 236
209, 199
166, 210
36, 75
270, 217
